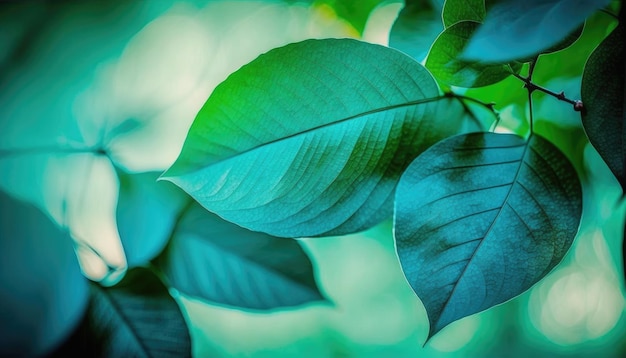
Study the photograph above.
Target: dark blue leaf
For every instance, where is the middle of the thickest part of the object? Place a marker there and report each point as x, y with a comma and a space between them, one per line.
482, 217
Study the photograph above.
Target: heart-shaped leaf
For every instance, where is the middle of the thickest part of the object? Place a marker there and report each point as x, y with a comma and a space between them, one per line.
445, 63
416, 28
42, 292
463, 10
314, 148
135, 318
208, 257
520, 29
603, 93
480, 218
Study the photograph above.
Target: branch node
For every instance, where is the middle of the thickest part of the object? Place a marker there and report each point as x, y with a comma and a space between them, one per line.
579, 106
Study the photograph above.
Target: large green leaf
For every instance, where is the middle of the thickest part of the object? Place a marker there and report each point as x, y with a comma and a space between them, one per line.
482, 217
208, 257
416, 27
135, 318
446, 65
42, 292
215, 260
520, 29
146, 215
463, 10
603, 93
310, 139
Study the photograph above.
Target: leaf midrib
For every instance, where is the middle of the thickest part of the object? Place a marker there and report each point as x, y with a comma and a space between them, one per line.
504, 203
109, 297
167, 174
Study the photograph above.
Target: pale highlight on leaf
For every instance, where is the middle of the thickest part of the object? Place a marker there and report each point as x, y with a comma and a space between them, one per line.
480, 218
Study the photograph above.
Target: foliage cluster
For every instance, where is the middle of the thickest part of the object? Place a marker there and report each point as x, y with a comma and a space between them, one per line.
331, 137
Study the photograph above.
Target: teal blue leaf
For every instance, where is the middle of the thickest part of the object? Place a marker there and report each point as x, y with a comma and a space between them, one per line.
603, 94
520, 29
416, 28
146, 215
310, 139
135, 318
208, 257
215, 260
480, 218
463, 10
42, 292
446, 65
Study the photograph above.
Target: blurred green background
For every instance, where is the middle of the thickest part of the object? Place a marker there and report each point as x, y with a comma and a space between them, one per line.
133, 74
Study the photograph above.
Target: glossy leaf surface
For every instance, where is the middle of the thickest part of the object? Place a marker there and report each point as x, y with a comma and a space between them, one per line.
313, 149
520, 29
42, 291
482, 217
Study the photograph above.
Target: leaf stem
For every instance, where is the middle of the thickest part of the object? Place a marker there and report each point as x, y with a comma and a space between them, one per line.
577, 104
52, 149
489, 106
609, 13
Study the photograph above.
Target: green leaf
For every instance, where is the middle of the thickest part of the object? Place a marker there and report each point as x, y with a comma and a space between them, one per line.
603, 94
463, 10
42, 291
520, 29
480, 218
215, 260
146, 215
416, 28
310, 139
135, 318
444, 62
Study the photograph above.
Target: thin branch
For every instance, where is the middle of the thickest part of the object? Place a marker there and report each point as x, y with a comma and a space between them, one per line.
51, 149
609, 13
489, 106
578, 105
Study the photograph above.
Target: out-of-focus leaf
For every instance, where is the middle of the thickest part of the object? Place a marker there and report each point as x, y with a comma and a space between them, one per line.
42, 292
218, 261
482, 217
603, 94
417, 27
313, 149
445, 63
146, 215
519, 29
208, 257
355, 12
463, 10
135, 318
